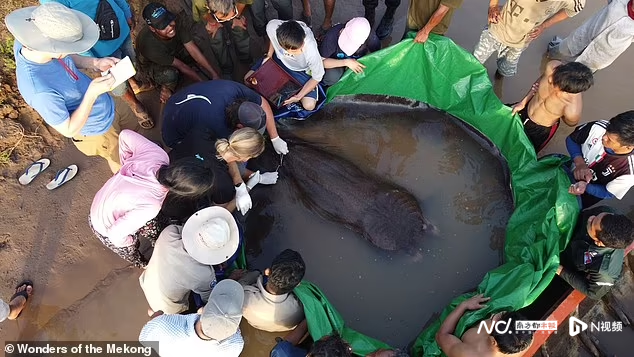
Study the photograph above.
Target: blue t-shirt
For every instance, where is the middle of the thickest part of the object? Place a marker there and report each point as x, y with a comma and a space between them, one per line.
286, 349
202, 105
89, 7
55, 95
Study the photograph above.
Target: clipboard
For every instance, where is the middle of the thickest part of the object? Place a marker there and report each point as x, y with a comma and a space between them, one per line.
273, 83
121, 72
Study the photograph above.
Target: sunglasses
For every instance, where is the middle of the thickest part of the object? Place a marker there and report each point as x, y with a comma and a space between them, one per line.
235, 14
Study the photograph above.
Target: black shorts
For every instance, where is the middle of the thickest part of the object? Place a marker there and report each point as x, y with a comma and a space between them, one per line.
539, 135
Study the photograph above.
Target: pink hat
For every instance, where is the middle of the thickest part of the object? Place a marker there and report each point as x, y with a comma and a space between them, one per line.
354, 35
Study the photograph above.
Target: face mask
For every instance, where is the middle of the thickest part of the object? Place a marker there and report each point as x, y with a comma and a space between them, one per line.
609, 151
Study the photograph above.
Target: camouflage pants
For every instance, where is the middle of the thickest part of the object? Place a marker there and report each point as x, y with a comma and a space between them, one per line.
284, 10
163, 75
230, 36
508, 57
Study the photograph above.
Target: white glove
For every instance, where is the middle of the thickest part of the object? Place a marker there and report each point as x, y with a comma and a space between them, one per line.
268, 178
254, 179
280, 146
243, 200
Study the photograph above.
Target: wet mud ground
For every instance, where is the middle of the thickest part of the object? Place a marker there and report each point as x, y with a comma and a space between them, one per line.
83, 291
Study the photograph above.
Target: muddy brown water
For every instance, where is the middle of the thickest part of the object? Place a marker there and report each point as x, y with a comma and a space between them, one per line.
460, 185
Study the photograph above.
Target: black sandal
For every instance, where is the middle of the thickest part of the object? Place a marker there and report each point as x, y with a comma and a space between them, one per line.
22, 293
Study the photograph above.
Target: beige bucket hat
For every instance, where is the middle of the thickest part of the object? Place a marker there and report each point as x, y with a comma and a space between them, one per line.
211, 235
54, 28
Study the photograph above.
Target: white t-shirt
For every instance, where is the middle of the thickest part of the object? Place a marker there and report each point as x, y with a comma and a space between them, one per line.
603, 37
268, 312
309, 61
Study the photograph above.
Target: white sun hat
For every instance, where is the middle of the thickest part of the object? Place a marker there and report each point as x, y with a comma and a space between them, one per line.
54, 28
211, 235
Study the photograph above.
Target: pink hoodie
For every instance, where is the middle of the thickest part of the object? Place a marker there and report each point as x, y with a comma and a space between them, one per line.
133, 195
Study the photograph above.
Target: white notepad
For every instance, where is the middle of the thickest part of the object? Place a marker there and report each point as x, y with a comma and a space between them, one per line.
122, 71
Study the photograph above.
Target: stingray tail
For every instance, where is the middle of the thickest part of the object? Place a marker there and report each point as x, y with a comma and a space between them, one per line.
431, 228
417, 257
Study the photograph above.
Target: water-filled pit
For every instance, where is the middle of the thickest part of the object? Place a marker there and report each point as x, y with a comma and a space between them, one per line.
460, 184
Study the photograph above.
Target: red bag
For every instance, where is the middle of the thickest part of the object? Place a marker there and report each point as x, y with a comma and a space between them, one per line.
273, 83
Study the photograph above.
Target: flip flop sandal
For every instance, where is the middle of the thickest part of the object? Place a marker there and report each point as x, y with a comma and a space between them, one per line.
144, 119
33, 170
62, 177
22, 293
144, 88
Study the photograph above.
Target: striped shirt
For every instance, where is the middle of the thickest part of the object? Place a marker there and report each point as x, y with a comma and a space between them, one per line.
176, 337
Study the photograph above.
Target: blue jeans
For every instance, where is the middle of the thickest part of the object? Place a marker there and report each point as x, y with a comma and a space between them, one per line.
286, 349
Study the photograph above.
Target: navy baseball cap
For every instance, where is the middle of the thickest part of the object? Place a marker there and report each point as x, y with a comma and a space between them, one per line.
157, 16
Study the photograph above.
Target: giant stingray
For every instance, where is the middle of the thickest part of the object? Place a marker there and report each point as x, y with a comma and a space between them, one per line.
337, 190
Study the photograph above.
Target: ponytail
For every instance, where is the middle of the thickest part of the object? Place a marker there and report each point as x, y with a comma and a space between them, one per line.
223, 146
243, 144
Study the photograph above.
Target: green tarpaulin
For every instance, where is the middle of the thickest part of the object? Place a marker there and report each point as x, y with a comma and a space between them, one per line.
448, 78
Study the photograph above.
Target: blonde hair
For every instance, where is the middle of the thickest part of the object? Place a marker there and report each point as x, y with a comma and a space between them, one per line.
243, 144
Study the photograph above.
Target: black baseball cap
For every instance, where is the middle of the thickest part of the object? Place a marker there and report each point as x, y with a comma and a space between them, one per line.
157, 16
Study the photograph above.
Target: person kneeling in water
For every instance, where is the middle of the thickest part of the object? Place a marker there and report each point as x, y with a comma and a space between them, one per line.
476, 344
555, 95
330, 345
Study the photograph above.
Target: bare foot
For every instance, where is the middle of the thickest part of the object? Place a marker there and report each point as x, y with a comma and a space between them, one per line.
498, 84
165, 94
18, 303
326, 25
